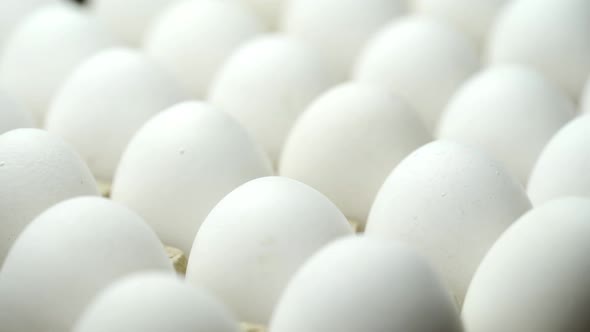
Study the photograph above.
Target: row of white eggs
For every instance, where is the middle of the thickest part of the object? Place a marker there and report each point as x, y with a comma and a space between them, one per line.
276, 260
448, 201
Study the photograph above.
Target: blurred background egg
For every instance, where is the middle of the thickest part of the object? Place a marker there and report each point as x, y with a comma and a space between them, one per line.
43, 50
105, 101
255, 239
551, 35
266, 84
152, 301
13, 115
180, 164
562, 167
348, 141
37, 170
129, 20
193, 38
536, 277
270, 11
66, 255
472, 17
421, 59
12, 12
450, 202
585, 98
363, 284
510, 111
327, 26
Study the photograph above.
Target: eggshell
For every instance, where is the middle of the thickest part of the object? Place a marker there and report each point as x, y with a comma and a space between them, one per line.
152, 301
585, 98
326, 25
13, 115
363, 284
105, 101
180, 164
536, 277
37, 170
66, 255
255, 239
450, 202
129, 20
266, 84
510, 111
348, 141
550, 35
194, 38
473, 17
43, 50
562, 167
421, 59
12, 12
271, 11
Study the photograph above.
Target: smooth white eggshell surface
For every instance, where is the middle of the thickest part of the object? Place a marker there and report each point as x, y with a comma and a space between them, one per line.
562, 167
12, 12
339, 29
66, 255
550, 35
450, 202
152, 301
43, 50
348, 141
510, 111
13, 115
363, 284
105, 101
271, 11
585, 98
37, 170
255, 239
193, 38
421, 59
266, 84
473, 17
536, 277
180, 164
129, 20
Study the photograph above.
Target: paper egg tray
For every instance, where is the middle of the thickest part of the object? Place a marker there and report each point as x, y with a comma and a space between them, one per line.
180, 261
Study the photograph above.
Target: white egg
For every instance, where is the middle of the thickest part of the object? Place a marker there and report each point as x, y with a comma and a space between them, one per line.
536, 277
129, 20
105, 101
193, 38
327, 26
152, 301
66, 255
451, 203
255, 239
180, 164
585, 98
551, 35
12, 12
362, 284
562, 167
473, 17
37, 170
421, 59
43, 50
348, 141
266, 84
13, 115
271, 11
510, 111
